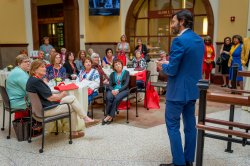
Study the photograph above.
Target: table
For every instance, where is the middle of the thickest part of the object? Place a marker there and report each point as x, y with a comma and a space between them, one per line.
81, 95
3, 76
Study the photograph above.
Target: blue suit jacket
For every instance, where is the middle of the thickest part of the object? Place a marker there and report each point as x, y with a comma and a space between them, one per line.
185, 67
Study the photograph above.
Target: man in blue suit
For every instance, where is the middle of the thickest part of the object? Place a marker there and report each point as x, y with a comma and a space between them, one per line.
184, 69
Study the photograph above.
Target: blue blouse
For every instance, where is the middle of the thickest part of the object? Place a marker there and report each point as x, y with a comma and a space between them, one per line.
52, 73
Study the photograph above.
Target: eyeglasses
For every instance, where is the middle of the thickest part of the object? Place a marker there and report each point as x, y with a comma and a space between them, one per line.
26, 61
118, 64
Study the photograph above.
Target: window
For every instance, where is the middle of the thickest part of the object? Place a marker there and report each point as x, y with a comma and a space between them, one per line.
153, 17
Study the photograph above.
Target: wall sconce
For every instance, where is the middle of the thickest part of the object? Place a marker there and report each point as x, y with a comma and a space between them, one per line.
205, 26
232, 18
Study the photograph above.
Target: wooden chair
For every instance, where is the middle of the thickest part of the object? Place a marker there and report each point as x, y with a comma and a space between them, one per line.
38, 114
7, 107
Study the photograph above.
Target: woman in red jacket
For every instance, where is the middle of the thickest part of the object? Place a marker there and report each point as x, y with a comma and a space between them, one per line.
208, 57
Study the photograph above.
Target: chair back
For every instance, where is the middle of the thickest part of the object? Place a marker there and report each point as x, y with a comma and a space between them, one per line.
132, 83
36, 104
5, 97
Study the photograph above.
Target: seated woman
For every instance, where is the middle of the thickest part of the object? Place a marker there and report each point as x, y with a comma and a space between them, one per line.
70, 66
139, 63
108, 59
116, 91
103, 77
55, 70
35, 84
89, 77
16, 84
80, 57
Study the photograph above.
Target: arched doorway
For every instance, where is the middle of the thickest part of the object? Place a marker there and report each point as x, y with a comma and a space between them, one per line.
150, 20
71, 32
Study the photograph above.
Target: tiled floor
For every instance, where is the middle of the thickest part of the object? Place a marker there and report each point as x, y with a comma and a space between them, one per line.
142, 142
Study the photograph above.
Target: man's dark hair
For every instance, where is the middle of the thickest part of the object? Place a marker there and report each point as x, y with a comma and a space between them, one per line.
186, 16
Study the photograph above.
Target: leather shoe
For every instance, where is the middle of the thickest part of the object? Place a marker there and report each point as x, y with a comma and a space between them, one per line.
189, 163
78, 135
104, 122
110, 121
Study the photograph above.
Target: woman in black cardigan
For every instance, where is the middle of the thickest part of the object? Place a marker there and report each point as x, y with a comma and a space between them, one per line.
116, 91
70, 66
143, 48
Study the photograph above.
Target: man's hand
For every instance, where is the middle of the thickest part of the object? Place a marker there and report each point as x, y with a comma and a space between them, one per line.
159, 64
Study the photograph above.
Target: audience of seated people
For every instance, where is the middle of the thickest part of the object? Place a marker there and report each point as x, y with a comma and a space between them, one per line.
90, 78
55, 70
116, 91
16, 84
70, 66
80, 57
35, 84
104, 80
108, 58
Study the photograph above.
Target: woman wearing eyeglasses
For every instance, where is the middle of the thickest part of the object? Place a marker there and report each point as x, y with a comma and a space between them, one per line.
16, 84
116, 91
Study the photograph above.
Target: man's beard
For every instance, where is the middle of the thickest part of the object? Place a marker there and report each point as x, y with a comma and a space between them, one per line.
176, 29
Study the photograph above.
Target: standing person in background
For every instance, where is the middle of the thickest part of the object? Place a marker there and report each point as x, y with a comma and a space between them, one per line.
184, 70
225, 55
16, 84
208, 57
143, 48
46, 47
123, 49
80, 57
246, 54
235, 58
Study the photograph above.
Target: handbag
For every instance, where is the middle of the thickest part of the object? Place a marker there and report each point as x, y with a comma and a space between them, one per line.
224, 57
63, 87
213, 64
219, 61
22, 128
153, 98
